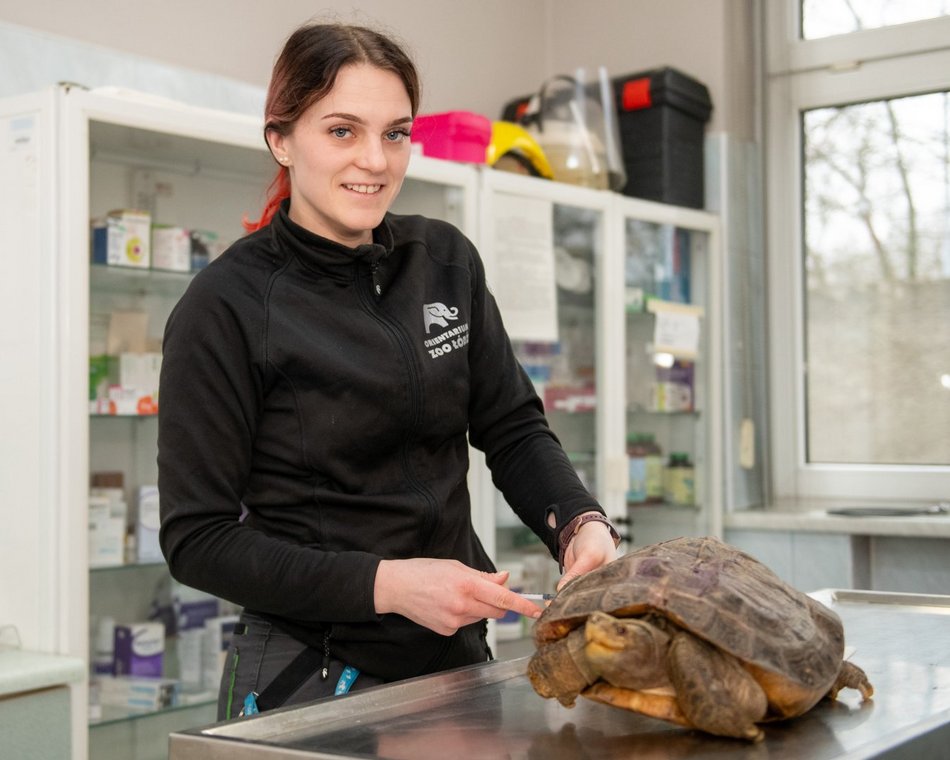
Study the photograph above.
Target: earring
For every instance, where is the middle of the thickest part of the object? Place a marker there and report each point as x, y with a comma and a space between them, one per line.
283, 159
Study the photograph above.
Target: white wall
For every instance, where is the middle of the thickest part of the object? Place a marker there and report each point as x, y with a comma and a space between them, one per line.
709, 40
472, 56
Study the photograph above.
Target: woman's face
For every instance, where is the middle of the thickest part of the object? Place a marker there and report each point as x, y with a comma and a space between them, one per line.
348, 154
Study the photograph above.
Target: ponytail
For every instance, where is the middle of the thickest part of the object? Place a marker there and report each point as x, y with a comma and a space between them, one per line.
278, 189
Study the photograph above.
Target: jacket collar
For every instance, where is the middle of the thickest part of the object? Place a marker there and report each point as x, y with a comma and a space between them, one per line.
333, 259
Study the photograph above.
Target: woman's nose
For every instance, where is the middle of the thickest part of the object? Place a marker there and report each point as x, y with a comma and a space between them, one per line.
372, 157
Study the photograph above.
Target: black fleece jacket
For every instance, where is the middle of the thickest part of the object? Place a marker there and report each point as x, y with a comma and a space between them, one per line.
330, 394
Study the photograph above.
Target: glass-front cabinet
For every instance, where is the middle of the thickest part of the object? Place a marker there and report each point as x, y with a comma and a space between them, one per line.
162, 203
672, 389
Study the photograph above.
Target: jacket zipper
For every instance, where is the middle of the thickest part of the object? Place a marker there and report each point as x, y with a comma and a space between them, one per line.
415, 402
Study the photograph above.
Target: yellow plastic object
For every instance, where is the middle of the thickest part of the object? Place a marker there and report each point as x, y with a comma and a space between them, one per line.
512, 148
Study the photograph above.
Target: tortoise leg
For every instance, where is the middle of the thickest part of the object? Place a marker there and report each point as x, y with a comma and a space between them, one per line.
851, 677
652, 704
559, 669
626, 652
714, 691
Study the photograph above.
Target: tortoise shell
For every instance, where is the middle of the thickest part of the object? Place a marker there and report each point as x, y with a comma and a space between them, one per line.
721, 595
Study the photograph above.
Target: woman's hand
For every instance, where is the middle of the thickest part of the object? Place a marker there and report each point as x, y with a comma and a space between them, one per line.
591, 547
444, 595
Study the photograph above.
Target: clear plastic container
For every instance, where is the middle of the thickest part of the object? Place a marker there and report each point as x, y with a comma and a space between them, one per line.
637, 452
680, 480
645, 465
654, 470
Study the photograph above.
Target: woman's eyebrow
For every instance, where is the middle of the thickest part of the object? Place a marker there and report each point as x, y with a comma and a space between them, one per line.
358, 120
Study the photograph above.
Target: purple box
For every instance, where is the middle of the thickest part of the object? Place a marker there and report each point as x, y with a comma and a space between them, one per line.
673, 389
139, 649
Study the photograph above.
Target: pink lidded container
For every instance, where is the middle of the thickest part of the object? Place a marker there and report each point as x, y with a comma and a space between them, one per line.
453, 135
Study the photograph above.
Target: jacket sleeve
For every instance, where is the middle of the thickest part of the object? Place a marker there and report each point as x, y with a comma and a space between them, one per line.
211, 394
507, 422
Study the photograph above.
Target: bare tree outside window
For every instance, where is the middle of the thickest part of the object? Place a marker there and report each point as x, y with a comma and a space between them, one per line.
877, 279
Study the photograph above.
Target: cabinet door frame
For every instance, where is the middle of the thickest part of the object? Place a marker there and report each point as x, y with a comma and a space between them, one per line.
608, 436
31, 563
695, 220
76, 109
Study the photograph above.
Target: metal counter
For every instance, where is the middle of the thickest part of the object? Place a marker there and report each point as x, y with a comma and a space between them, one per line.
490, 711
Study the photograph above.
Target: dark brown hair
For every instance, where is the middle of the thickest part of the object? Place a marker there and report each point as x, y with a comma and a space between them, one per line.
306, 71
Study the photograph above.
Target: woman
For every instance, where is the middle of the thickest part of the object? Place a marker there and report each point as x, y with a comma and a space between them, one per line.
313, 443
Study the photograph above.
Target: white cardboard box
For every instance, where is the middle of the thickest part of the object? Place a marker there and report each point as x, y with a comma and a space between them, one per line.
123, 238
147, 524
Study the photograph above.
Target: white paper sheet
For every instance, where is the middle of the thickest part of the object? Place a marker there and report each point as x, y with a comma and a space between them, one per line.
677, 328
524, 284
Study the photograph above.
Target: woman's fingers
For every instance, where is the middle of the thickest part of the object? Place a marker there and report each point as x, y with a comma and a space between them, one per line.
444, 595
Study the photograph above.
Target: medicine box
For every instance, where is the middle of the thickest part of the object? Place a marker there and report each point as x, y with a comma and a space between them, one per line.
103, 372
122, 238
453, 135
171, 248
136, 693
139, 649
107, 521
140, 371
215, 644
205, 248
147, 524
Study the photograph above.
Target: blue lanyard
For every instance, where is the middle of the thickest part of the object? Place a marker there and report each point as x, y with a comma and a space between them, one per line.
347, 677
346, 680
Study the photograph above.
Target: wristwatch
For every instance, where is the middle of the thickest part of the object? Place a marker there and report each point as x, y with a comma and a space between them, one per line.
570, 530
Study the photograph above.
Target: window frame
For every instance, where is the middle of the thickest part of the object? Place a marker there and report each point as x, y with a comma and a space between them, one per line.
908, 59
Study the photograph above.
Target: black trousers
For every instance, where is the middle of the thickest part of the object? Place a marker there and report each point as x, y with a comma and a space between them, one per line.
258, 652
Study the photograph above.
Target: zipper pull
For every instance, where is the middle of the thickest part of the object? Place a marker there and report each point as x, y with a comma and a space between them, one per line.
377, 287
325, 672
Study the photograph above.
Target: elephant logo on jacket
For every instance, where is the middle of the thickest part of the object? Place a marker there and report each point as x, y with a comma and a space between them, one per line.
438, 314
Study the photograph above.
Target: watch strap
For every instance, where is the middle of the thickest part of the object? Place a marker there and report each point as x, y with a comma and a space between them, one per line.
568, 532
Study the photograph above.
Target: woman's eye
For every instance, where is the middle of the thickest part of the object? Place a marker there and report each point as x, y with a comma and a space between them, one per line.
398, 135
340, 131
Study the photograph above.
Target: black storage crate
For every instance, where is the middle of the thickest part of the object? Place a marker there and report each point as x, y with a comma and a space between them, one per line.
662, 117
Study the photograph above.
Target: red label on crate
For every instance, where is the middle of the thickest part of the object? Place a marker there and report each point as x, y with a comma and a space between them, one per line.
636, 94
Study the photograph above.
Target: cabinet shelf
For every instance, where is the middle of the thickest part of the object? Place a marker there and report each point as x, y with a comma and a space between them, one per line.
97, 416
113, 715
663, 506
105, 278
639, 410
125, 567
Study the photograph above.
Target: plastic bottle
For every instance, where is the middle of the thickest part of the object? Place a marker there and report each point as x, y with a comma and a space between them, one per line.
103, 661
679, 480
637, 465
654, 470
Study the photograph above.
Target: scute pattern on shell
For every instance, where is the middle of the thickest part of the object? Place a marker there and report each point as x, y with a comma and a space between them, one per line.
718, 593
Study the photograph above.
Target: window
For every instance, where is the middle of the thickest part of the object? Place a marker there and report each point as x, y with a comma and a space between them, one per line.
823, 18
859, 247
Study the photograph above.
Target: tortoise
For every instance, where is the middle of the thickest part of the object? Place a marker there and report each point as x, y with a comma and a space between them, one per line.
695, 632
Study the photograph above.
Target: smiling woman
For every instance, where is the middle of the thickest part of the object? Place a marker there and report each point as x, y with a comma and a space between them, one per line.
321, 383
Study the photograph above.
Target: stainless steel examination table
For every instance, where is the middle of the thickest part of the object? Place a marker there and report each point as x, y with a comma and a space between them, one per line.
490, 711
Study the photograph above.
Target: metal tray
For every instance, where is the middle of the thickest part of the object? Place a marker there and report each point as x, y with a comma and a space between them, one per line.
490, 711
